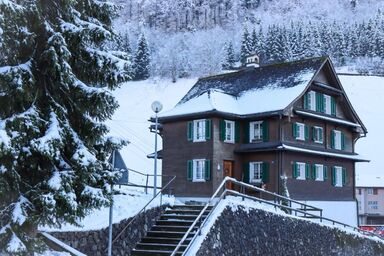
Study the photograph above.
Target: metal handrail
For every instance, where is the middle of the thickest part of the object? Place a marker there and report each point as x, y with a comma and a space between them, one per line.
143, 209
276, 205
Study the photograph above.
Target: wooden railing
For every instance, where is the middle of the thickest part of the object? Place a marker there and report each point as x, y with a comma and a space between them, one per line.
305, 210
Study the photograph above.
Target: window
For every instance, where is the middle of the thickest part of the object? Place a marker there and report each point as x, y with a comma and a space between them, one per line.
373, 205
300, 170
300, 131
255, 131
199, 130
229, 131
327, 104
198, 170
255, 172
317, 134
310, 101
370, 191
319, 172
337, 140
359, 191
338, 176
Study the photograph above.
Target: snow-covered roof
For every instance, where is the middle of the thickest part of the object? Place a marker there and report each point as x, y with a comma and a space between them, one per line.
249, 91
328, 118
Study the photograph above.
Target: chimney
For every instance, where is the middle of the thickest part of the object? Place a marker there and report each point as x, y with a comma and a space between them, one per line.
252, 60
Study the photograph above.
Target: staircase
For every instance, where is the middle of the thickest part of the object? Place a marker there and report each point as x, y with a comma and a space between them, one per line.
168, 230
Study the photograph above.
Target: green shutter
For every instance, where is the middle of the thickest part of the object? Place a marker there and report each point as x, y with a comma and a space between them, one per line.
333, 106
313, 133
322, 102
319, 102
208, 129
325, 174
313, 171
294, 170
237, 132
306, 132
222, 130
307, 171
333, 176
189, 170
207, 170
294, 130
265, 172
246, 132
342, 141
190, 131
305, 103
344, 176
320, 134
265, 125
332, 139
246, 173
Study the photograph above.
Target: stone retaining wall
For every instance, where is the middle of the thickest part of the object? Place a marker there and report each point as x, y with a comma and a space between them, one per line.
95, 242
257, 232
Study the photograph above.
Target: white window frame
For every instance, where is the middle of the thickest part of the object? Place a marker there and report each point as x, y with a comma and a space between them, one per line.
229, 132
311, 100
327, 104
317, 129
199, 130
319, 171
253, 135
301, 130
337, 139
255, 172
373, 205
301, 170
370, 191
197, 174
338, 176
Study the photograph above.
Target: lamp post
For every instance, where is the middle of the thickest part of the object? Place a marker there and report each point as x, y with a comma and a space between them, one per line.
156, 107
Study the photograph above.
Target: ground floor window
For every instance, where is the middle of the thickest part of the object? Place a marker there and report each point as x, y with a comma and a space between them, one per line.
199, 170
300, 170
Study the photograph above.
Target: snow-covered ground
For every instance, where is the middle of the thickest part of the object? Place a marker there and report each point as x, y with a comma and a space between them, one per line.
131, 120
126, 205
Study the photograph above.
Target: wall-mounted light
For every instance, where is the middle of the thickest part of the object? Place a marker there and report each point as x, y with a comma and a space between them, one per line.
218, 167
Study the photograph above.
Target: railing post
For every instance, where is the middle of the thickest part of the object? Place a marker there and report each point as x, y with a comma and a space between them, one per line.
146, 185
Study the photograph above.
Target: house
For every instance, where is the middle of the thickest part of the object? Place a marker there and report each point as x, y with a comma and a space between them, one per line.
260, 124
370, 200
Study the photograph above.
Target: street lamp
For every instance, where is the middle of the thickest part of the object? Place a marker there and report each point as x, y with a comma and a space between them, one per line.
156, 107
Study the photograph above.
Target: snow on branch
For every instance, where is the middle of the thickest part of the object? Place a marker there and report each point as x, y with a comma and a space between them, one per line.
18, 214
15, 245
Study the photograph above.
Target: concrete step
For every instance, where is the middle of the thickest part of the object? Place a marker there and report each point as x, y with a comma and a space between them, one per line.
180, 216
190, 207
170, 228
181, 223
139, 252
161, 247
164, 240
168, 234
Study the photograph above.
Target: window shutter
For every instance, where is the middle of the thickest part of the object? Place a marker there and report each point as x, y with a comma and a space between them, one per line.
332, 139
190, 131
294, 130
333, 106
265, 130
294, 170
306, 132
313, 171
313, 133
207, 129
342, 141
325, 172
207, 170
320, 134
322, 102
237, 132
333, 176
319, 102
344, 176
222, 130
246, 173
305, 103
246, 132
307, 171
189, 170
265, 173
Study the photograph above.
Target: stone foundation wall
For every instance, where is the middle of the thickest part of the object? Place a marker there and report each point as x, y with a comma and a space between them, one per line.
95, 242
257, 232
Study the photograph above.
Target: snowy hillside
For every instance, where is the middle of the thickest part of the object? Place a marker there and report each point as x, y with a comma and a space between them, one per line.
131, 119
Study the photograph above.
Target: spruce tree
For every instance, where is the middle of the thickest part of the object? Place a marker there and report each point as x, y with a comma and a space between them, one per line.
142, 59
229, 61
246, 46
55, 82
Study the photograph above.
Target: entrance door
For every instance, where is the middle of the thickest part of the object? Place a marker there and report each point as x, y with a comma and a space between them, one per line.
228, 171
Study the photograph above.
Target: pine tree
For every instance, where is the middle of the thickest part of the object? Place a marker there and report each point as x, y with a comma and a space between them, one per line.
55, 82
229, 61
246, 46
142, 59
126, 45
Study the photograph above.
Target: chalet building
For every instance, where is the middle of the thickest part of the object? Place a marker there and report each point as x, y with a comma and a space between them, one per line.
260, 124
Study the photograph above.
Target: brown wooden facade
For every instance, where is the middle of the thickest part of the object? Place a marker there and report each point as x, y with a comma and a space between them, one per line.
281, 150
